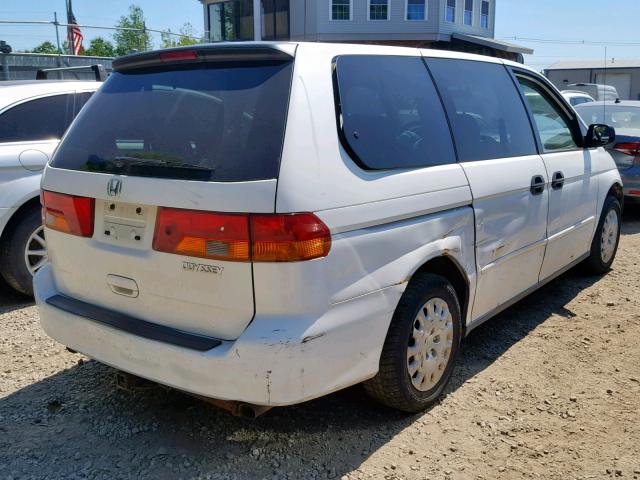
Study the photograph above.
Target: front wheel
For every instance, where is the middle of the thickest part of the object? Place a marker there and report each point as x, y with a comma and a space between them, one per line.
605, 241
23, 251
421, 346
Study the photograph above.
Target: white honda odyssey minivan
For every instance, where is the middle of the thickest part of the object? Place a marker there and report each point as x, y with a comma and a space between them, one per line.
265, 223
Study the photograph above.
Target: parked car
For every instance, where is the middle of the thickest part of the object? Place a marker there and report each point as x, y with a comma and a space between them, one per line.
624, 115
267, 223
33, 117
596, 91
575, 97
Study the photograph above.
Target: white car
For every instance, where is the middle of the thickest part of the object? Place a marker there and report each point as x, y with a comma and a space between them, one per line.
33, 117
266, 223
575, 97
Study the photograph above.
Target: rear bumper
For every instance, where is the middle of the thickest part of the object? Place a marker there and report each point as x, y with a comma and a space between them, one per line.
276, 361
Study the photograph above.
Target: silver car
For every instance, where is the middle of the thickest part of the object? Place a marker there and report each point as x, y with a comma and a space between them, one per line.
624, 116
34, 114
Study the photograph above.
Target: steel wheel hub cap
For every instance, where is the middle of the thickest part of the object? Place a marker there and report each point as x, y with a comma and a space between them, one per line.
609, 236
430, 344
35, 252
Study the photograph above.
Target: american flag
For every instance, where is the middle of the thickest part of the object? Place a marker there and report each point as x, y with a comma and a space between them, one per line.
74, 35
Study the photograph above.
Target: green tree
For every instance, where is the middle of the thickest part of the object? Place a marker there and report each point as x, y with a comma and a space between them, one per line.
167, 40
128, 41
45, 47
99, 47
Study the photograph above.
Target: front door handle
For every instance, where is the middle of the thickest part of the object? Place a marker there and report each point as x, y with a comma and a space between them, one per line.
537, 185
557, 181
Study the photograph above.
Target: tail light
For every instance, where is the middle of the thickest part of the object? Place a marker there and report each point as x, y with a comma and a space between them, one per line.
629, 148
201, 234
241, 237
68, 213
289, 238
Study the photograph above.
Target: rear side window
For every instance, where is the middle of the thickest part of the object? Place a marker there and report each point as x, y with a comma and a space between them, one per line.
41, 119
390, 115
220, 122
486, 112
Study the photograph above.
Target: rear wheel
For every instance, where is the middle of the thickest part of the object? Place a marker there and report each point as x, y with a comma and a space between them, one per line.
421, 346
605, 241
23, 251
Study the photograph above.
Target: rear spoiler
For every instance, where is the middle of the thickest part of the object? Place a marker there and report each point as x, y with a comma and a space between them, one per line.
227, 52
98, 70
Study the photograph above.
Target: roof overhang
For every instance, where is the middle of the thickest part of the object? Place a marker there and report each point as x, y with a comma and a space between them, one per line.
492, 43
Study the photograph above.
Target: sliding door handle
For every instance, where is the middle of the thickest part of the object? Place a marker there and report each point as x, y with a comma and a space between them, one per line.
537, 185
557, 181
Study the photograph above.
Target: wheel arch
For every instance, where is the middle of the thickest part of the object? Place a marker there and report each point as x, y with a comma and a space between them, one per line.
616, 191
447, 267
17, 215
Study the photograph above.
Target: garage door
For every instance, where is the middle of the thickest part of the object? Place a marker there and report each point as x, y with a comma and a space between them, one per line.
622, 82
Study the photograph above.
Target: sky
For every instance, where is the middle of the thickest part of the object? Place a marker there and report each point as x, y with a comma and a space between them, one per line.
553, 21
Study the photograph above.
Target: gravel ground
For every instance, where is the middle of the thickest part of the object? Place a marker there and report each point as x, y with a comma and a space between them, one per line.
548, 389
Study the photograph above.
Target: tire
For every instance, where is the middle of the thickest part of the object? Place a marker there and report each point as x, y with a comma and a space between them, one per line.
605, 241
13, 261
395, 383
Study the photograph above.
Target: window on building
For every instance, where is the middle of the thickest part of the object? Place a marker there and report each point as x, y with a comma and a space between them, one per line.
484, 17
231, 21
468, 12
450, 11
554, 128
416, 10
340, 9
390, 113
378, 9
41, 119
275, 19
487, 115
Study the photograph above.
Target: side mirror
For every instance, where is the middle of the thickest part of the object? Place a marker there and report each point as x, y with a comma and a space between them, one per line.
599, 135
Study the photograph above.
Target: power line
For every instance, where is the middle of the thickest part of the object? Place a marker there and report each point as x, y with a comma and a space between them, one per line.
573, 42
49, 22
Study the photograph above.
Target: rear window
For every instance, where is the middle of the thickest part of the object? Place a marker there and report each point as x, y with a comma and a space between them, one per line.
211, 122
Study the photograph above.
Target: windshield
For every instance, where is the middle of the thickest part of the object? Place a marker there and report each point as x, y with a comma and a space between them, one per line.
208, 122
621, 117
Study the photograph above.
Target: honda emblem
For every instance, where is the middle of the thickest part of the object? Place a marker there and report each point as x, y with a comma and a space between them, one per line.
114, 187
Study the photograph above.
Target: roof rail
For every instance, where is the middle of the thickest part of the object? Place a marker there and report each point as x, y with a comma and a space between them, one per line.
98, 70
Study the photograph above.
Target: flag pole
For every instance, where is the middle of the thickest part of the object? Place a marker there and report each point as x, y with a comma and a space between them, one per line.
70, 38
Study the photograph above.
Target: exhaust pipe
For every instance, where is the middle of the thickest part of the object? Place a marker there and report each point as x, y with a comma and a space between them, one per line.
238, 409
129, 382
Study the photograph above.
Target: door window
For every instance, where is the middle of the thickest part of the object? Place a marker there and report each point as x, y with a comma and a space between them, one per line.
41, 119
553, 126
390, 114
485, 110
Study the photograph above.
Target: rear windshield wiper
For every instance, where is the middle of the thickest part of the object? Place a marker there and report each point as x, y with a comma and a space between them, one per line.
122, 161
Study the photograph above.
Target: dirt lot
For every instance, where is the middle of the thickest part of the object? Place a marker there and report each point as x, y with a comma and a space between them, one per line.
549, 389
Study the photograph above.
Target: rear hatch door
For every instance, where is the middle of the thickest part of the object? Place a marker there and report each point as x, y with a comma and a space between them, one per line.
198, 130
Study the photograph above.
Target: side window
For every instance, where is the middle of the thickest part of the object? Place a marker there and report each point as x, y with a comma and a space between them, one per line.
484, 108
41, 119
81, 99
552, 124
390, 113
